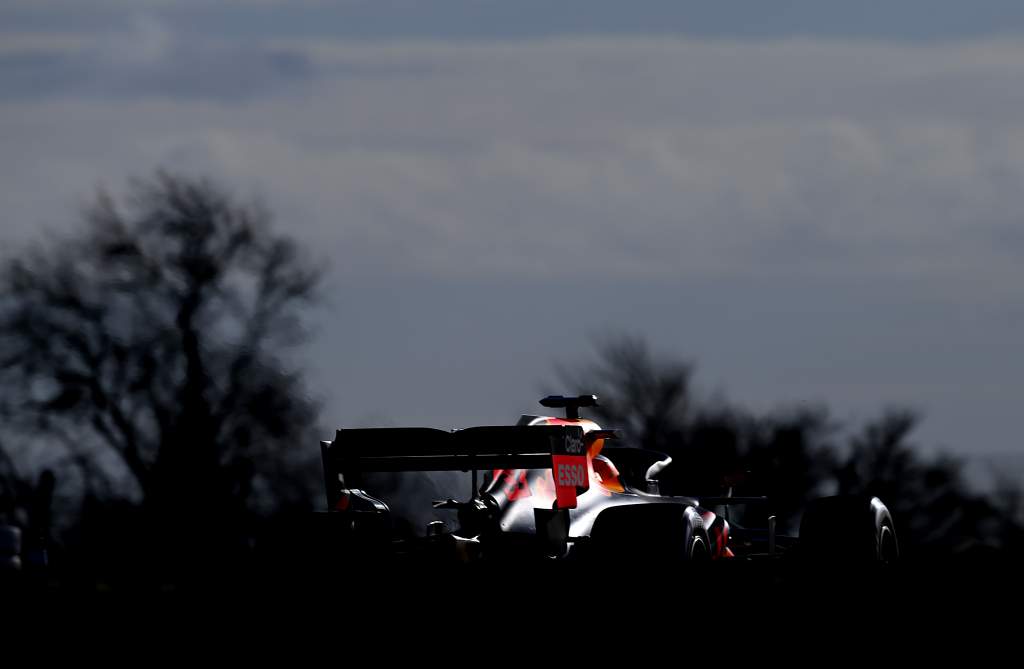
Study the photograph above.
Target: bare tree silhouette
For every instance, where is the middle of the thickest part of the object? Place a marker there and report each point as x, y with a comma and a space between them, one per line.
652, 400
793, 456
146, 348
646, 397
936, 509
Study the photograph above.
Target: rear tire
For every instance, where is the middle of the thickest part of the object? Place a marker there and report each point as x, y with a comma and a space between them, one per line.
664, 535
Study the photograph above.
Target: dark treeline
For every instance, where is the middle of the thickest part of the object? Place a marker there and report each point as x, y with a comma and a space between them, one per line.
144, 393
151, 424
794, 455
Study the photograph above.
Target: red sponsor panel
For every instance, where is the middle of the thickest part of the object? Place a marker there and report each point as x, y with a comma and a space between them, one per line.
572, 478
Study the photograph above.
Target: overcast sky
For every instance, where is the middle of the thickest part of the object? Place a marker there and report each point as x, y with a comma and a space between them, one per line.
813, 201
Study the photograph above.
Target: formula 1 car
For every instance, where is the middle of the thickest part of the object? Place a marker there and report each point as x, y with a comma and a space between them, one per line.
555, 489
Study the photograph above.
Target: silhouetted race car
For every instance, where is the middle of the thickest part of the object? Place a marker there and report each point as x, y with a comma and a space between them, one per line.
552, 488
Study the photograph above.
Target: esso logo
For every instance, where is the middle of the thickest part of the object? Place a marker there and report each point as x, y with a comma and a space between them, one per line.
571, 475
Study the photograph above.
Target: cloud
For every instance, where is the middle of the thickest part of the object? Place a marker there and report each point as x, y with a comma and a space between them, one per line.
148, 60
634, 158
850, 208
527, 19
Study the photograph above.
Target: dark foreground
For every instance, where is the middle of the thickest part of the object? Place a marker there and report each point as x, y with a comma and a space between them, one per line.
489, 594
725, 614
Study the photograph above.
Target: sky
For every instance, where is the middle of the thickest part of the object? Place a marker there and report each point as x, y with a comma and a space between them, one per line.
814, 202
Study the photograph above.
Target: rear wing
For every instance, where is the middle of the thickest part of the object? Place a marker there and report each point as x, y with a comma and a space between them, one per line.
561, 448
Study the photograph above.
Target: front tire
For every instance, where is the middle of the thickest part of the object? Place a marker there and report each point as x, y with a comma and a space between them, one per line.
849, 529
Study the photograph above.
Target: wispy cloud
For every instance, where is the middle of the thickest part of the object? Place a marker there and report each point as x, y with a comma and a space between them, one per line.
149, 59
922, 20
808, 176
642, 158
